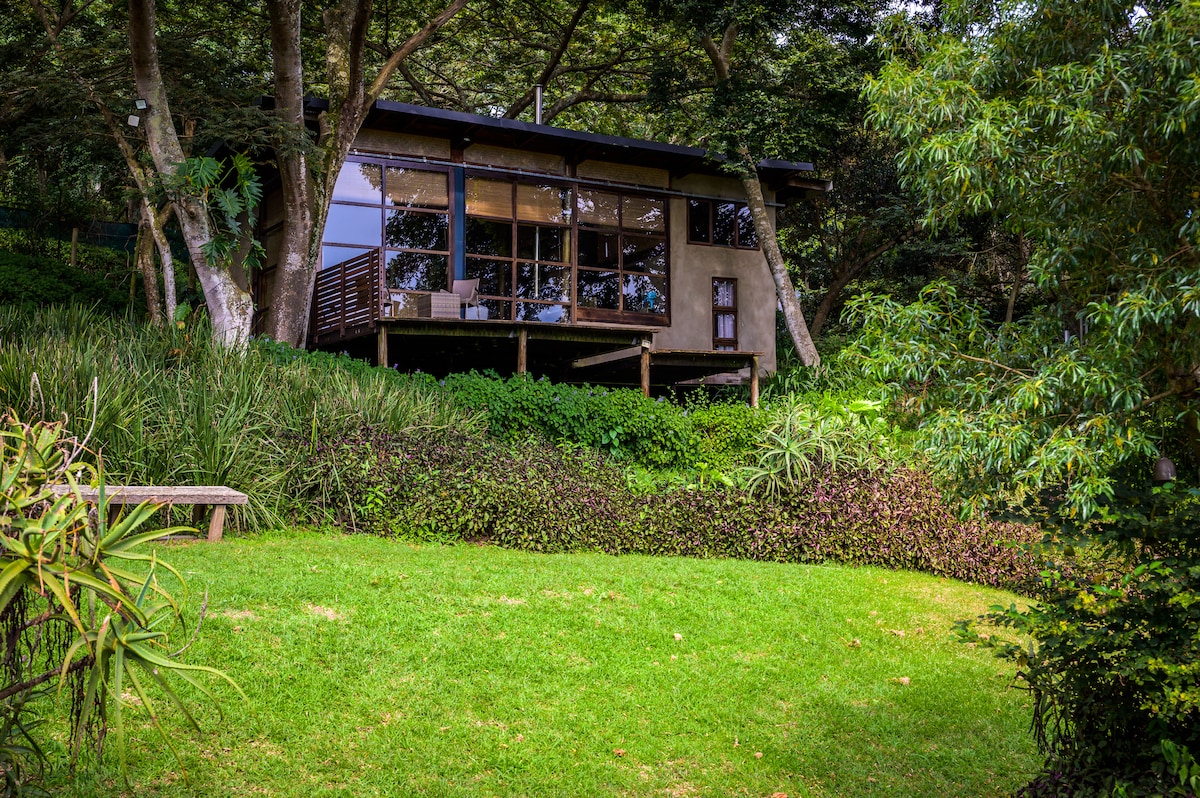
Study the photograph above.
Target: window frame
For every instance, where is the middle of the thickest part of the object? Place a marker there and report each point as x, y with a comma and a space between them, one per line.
388, 252
725, 310
712, 224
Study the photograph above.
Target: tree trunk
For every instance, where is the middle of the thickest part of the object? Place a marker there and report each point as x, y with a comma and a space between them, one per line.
144, 255
830, 299
793, 316
229, 304
165, 258
308, 176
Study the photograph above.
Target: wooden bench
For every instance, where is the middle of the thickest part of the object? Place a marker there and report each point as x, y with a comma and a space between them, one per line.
216, 496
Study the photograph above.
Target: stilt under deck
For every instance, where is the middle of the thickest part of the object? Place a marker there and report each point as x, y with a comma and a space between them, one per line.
350, 314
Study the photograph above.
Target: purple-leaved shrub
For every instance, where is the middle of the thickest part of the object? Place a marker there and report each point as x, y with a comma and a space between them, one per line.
533, 496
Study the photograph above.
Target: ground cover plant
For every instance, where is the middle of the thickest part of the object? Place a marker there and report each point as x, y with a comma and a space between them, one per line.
380, 668
449, 487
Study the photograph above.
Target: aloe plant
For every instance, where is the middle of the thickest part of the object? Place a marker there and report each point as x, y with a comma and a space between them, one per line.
80, 601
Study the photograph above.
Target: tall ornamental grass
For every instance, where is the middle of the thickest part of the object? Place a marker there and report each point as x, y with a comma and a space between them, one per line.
168, 407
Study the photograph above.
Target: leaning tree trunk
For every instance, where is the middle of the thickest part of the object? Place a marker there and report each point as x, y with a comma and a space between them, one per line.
229, 304
793, 316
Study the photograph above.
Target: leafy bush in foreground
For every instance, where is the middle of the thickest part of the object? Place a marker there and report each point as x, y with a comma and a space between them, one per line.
1114, 668
532, 496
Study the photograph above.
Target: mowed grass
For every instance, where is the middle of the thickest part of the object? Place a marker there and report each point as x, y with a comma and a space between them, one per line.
377, 667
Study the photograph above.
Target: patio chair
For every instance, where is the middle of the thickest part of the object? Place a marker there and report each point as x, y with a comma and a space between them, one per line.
468, 293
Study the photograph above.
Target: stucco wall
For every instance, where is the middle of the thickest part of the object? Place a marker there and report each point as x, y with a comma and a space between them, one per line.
693, 266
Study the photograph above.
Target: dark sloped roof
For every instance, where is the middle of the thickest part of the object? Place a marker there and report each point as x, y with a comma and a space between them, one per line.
426, 121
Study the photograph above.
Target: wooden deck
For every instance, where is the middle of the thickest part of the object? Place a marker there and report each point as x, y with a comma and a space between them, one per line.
350, 312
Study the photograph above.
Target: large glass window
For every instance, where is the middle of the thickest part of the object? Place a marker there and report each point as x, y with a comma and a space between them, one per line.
622, 256
518, 245
405, 210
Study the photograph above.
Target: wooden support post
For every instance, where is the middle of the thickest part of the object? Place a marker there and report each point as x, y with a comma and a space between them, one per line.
522, 350
754, 381
74, 246
646, 371
381, 346
217, 522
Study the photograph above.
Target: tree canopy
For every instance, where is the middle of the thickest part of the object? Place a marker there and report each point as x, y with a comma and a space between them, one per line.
1070, 122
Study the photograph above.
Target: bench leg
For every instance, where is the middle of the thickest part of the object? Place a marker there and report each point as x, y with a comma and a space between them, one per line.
214, 525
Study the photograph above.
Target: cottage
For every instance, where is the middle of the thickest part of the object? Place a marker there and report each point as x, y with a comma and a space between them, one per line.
457, 241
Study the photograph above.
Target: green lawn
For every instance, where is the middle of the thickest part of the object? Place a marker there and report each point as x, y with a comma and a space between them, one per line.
376, 667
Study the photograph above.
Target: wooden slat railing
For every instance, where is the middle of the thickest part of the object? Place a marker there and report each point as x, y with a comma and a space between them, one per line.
348, 298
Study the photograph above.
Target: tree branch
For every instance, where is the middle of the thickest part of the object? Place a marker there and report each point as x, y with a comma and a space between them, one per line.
409, 47
552, 64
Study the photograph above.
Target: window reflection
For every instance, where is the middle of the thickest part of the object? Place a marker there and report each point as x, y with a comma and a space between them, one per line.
359, 182
417, 230
543, 204
417, 271
544, 243
332, 256
538, 281
416, 188
354, 224
484, 237
547, 314
495, 277
600, 290
644, 294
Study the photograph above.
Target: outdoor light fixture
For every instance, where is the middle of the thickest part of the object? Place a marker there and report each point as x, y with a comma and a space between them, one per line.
1164, 470
140, 104
133, 120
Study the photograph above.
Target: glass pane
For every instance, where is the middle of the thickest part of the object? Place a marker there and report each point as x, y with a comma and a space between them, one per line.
597, 207
417, 230
598, 249
599, 289
544, 243
723, 294
724, 224
416, 188
645, 294
352, 224
489, 197
724, 325
495, 277
331, 256
747, 236
414, 271
488, 238
359, 182
497, 309
699, 216
550, 314
724, 348
538, 281
544, 204
643, 254
643, 213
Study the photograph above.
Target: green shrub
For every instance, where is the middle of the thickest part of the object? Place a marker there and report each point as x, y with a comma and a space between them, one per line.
1114, 666
801, 439
620, 422
75, 608
32, 281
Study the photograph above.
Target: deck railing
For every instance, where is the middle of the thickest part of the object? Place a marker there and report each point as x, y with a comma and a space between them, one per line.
348, 298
